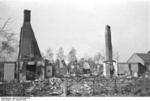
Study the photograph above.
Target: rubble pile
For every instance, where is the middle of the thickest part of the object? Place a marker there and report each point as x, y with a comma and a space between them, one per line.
84, 87
36, 89
139, 87
92, 87
104, 87
45, 88
13, 88
123, 87
32, 88
81, 89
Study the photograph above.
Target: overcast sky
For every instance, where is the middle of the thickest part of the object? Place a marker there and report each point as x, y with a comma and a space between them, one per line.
81, 24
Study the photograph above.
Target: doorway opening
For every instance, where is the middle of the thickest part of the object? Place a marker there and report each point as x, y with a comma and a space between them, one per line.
30, 72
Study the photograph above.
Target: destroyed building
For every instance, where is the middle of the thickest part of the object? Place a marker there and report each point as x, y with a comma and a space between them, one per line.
29, 58
136, 65
143, 58
130, 69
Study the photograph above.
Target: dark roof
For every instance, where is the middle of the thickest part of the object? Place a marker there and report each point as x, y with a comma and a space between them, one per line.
144, 56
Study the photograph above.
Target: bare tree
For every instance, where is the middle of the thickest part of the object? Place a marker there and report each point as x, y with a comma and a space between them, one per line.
98, 58
8, 43
49, 54
5, 25
60, 54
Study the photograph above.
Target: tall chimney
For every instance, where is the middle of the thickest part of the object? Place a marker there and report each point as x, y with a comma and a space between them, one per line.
109, 68
28, 48
27, 15
108, 43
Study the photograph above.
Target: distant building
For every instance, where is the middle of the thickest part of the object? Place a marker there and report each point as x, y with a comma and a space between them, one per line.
131, 69
136, 65
142, 58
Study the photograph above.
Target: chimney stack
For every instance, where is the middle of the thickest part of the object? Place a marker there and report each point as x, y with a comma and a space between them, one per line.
108, 67
108, 43
27, 15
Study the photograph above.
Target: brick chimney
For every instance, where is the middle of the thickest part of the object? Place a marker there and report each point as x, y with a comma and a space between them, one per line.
28, 48
108, 43
108, 66
27, 15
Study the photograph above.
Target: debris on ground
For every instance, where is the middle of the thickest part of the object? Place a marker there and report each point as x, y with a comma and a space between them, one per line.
78, 87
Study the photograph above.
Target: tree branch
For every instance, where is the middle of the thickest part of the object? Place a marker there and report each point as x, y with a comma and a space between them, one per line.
5, 24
